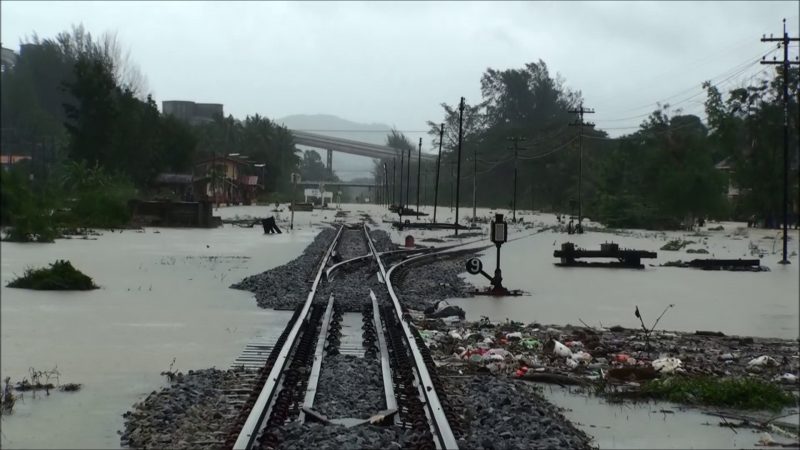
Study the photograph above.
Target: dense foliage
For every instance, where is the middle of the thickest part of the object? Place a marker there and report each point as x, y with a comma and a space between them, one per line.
60, 276
257, 138
663, 175
76, 105
742, 393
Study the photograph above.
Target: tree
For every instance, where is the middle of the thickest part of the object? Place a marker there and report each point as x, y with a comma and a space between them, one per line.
746, 130
313, 169
662, 176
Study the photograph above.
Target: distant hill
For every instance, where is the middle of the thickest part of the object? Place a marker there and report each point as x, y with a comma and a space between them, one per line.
347, 167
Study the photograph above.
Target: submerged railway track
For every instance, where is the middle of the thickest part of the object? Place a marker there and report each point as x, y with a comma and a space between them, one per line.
326, 369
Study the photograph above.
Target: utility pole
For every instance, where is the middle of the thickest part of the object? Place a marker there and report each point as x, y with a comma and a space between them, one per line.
408, 176
394, 184
474, 181
580, 123
458, 170
214, 177
402, 159
786, 63
516, 141
419, 172
438, 162
452, 186
385, 184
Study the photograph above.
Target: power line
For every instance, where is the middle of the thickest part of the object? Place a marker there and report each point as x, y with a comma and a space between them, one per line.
688, 99
580, 123
358, 131
550, 152
707, 58
736, 70
786, 63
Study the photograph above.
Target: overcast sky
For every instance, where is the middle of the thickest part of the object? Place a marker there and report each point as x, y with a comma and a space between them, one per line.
394, 63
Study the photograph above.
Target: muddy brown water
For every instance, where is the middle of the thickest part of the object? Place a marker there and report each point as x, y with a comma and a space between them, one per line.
164, 294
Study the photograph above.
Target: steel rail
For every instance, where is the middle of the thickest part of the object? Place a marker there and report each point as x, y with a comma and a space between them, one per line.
388, 385
263, 403
319, 353
444, 437
329, 272
331, 269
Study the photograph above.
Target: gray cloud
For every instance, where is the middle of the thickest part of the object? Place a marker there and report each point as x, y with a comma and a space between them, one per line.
394, 62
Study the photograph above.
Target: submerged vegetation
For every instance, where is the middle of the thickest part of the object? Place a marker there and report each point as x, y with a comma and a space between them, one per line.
740, 393
675, 245
60, 276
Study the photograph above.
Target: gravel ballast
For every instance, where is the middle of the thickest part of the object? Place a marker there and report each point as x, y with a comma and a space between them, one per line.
305, 436
350, 386
193, 412
286, 286
499, 413
421, 286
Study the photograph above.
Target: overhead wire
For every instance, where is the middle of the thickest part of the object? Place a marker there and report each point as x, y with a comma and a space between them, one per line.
735, 70
717, 84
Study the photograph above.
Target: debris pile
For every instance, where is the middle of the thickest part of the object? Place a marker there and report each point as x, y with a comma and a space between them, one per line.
616, 356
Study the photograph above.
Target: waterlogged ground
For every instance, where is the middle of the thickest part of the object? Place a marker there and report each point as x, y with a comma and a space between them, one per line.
164, 294
741, 303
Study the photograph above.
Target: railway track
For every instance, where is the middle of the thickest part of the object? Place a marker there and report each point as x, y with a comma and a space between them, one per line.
322, 349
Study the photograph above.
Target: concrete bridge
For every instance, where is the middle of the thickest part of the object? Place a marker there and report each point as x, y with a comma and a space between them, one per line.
336, 184
334, 144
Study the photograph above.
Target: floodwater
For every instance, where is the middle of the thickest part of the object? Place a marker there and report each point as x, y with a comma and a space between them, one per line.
650, 424
765, 304
164, 295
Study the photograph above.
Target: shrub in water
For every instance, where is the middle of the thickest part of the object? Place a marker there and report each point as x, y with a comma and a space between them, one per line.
60, 276
743, 393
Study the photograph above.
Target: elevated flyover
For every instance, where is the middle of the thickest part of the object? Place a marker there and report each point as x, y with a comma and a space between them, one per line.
352, 147
336, 184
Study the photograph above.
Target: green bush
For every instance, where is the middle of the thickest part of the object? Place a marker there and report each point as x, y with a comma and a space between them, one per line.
742, 393
26, 213
60, 276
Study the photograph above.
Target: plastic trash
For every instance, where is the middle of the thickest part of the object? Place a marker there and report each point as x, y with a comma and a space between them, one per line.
582, 357
575, 345
621, 358
571, 363
557, 348
476, 358
451, 320
765, 440
503, 353
788, 378
515, 336
666, 365
454, 334
530, 344
762, 361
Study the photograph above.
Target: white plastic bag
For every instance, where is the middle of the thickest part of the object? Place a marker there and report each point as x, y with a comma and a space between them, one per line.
666, 365
762, 361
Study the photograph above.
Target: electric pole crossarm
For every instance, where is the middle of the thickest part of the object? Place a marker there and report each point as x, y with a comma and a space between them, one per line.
580, 123
786, 63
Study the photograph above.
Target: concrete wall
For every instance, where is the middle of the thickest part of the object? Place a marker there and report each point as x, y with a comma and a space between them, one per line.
173, 214
191, 112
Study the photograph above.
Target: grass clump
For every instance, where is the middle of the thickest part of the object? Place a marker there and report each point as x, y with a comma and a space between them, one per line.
60, 276
740, 393
675, 245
